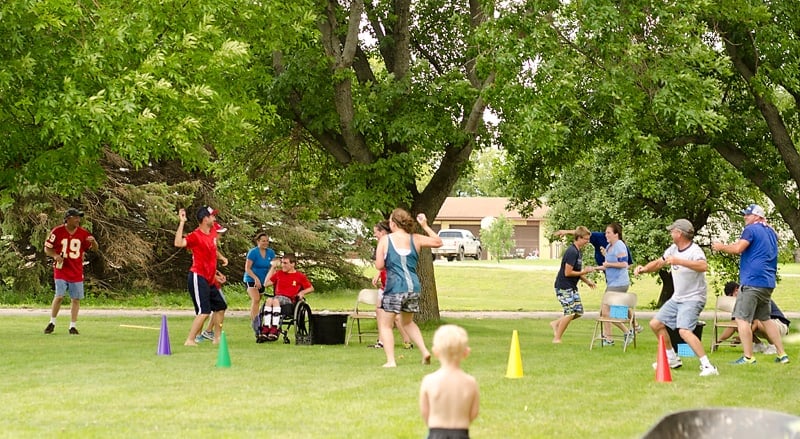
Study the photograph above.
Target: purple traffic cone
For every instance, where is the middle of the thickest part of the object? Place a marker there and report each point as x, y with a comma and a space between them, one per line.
163, 338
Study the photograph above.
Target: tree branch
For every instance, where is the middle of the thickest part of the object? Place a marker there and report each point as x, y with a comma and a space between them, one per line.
772, 116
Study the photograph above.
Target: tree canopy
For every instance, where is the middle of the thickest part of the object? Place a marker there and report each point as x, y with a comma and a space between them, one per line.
309, 111
384, 91
637, 82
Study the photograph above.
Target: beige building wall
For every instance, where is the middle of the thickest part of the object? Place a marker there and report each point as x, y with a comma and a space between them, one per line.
467, 213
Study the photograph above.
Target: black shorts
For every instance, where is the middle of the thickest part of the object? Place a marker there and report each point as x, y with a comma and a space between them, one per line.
448, 433
253, 285
205, 298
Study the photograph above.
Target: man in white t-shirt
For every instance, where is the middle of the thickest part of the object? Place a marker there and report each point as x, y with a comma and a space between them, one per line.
688, 264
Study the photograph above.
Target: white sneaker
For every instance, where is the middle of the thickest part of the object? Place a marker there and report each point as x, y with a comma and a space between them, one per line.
708, 371
759, 348
771, 350
673, 364
629, 337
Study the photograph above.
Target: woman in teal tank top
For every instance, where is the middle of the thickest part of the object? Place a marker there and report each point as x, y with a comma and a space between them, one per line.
398, 252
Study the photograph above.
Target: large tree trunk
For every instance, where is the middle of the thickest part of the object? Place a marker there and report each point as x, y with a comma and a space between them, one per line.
667, 287
429, 299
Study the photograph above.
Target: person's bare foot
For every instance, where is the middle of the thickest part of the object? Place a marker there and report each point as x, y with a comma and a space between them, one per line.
556, 341
390, 365
554, 325
426, 359
190, 343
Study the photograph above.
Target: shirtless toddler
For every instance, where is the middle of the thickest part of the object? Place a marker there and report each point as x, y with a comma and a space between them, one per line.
449, 397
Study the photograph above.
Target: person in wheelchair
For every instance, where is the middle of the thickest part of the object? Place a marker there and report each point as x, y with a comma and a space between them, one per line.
290, 287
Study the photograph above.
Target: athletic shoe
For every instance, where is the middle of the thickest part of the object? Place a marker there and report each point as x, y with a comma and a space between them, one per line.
673, 364
639, 328
759, 348
408, 345
73, 331
199, 339
743, 360
273, 333
708, 371
608, 342
771, 350
208, 335
50, 328
783, 359
377, 345
628, 338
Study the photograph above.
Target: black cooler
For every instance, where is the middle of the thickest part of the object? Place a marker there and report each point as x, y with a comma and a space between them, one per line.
328, 328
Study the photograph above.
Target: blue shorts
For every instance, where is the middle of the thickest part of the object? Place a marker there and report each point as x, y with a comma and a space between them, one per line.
75, 289
205, 298
570, 301
400, 302
681, 315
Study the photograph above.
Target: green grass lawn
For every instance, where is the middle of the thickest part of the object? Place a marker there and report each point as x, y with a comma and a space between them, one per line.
514, 285
109, 382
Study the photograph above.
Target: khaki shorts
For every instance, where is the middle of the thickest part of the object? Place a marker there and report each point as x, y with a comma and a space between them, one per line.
783, 328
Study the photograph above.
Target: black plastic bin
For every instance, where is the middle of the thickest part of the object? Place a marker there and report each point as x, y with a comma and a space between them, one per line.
328, 328
675, 337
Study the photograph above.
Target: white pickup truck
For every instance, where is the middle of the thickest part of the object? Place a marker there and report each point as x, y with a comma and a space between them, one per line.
457, 243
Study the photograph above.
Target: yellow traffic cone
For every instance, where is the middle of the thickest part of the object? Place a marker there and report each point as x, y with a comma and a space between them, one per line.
514, 359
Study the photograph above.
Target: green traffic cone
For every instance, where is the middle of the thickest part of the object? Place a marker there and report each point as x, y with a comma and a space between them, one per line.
223, 357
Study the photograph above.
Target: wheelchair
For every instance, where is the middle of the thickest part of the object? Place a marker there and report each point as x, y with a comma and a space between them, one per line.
295, 317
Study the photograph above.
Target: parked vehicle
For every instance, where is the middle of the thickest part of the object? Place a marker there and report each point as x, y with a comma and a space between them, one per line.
456, 244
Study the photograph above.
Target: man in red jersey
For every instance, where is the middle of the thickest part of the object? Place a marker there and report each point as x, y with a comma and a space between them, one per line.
66, 245
290, 286
204, 288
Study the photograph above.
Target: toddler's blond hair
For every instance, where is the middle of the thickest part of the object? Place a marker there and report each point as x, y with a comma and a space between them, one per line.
450, 342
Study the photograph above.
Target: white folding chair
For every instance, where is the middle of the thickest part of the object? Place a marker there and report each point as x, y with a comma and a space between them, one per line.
723, 319
364, 309
622, 309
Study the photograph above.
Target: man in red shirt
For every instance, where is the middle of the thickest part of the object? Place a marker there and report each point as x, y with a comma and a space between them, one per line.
290, 286
66, 245
203, 285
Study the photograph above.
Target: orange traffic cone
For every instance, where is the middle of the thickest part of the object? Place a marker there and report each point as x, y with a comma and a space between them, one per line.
663, 374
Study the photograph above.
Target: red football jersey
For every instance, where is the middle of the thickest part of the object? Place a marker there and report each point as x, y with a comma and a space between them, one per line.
71, 246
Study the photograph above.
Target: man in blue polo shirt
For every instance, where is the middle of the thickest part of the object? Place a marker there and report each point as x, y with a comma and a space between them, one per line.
758, 266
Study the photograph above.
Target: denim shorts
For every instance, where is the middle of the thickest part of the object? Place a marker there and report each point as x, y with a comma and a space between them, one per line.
680, 315
75, 289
